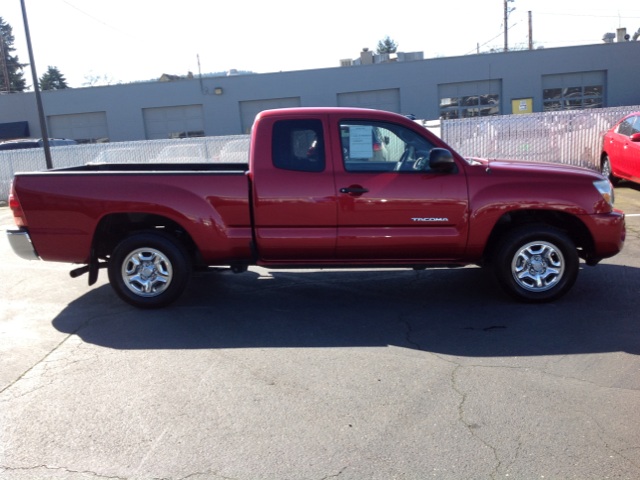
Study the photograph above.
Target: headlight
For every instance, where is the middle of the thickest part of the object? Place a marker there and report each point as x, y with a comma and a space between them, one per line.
606, 190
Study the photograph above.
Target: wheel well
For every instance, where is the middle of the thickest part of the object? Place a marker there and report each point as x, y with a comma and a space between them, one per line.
113, 228
567, 223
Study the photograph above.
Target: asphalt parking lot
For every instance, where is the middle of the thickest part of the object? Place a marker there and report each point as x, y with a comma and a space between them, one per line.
388, 374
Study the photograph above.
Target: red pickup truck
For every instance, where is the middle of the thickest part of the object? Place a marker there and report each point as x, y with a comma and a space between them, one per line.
324, 187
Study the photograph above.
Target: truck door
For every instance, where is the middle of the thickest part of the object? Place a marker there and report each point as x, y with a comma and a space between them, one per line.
391, 206
293, 191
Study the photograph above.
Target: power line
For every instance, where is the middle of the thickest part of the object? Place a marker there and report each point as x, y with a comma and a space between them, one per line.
491, 39
619, 17
585, 15
97, 19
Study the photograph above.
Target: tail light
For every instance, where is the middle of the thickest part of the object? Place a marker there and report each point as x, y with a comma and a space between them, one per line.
14, 205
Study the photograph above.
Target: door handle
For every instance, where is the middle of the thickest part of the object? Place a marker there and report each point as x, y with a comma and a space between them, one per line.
354, 190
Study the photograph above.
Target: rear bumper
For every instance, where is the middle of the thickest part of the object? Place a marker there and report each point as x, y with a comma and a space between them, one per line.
20, 242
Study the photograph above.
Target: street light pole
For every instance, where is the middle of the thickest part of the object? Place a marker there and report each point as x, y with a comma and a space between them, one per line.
36, 89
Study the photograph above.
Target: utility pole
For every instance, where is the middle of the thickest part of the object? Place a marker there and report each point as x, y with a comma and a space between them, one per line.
507, 11
36, 89
530, 32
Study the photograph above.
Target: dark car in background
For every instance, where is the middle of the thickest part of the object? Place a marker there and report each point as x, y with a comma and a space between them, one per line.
24, 143
620, 158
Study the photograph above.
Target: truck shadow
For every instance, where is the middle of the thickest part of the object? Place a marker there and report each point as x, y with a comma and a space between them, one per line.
453, 312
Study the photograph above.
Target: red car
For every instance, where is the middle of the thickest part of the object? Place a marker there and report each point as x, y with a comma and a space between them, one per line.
621, 150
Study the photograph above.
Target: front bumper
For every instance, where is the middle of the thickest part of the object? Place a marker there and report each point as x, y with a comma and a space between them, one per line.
609, 233
20, 242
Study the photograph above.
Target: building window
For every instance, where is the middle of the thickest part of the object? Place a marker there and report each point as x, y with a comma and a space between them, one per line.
469, 99
191, 134
573, 91
573, 98
470, 106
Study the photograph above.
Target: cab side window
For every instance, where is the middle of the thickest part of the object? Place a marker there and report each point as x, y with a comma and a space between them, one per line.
382, 147
298, 145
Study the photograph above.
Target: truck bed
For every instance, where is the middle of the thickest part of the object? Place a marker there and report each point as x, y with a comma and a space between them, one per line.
67, 206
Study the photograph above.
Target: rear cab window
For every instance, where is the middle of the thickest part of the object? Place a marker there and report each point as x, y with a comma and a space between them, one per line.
298, 145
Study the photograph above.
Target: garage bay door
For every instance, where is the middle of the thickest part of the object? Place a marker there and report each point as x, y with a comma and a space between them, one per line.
388, 99
173, 122
249, 109
83, 127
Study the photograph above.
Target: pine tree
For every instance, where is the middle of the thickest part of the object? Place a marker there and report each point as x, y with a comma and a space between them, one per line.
11, 75
52, 79
387, 45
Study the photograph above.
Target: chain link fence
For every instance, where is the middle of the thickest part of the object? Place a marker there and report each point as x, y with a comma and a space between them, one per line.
572, 137
223, 149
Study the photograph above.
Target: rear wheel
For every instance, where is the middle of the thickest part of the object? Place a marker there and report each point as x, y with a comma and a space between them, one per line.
149, 270
536, 263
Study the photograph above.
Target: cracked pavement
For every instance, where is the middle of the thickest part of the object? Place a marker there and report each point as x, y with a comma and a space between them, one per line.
388, 374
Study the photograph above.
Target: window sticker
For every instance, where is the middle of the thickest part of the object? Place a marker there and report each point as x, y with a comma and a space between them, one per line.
360, 143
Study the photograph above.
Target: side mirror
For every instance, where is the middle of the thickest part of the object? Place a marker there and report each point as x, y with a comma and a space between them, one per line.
635, 137
441, 160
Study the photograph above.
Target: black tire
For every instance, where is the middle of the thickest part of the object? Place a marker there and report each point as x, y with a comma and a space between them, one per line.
149, 269
605, 169
536, 263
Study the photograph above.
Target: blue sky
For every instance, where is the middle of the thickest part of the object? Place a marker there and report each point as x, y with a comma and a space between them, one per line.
123, 41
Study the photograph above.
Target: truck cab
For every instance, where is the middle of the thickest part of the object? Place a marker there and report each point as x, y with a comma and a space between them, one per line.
356, 188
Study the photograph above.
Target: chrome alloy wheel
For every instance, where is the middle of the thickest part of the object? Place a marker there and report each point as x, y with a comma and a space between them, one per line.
606, 167
538, 266
147, 272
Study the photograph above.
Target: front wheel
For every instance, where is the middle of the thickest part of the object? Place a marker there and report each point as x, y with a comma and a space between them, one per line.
149, 270
536, 263
605, 169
